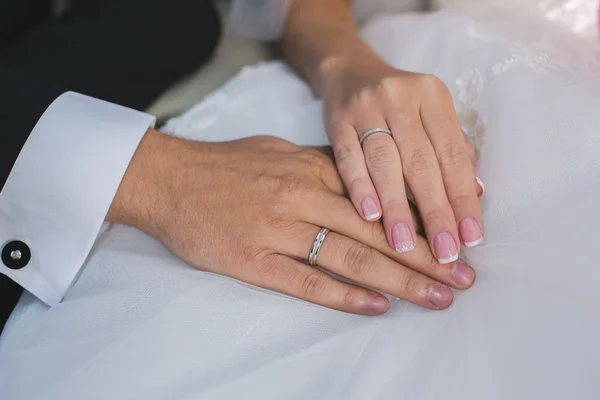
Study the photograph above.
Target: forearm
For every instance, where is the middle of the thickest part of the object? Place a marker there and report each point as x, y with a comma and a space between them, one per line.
320, 37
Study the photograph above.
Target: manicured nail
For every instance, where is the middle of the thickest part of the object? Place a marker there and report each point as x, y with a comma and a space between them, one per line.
470, 232
463, 275
445, 248
402, 238
377, 304
369, 209
478, 179
440, 296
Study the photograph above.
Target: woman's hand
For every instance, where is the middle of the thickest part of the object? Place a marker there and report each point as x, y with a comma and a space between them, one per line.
251, 209
427, 150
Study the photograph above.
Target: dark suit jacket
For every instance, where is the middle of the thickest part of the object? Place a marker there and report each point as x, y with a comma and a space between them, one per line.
123, 51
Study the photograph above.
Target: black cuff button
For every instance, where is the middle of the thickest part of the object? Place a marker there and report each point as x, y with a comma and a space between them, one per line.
16, 255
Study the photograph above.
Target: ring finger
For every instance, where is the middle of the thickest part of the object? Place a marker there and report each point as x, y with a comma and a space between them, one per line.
385, 168
362, 264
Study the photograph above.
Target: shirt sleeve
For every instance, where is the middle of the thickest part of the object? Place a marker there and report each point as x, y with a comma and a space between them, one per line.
60, 188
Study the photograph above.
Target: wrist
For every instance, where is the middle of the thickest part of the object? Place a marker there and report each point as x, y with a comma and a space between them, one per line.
354, 54
142, 199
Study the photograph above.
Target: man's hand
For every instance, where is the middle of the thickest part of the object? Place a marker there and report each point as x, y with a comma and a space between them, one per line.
250, 209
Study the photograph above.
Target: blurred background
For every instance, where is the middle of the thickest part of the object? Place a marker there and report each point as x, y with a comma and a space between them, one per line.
234, 52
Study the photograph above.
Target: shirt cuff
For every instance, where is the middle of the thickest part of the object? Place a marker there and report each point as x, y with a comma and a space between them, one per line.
58, 193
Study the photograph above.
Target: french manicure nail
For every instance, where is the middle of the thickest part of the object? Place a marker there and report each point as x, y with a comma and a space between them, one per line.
402, 238
445, 248
463, 275
440, 296
478, 179
377, 304
369, 209
470, 232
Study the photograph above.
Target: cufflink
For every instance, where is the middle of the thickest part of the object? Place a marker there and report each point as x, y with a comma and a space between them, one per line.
16, 254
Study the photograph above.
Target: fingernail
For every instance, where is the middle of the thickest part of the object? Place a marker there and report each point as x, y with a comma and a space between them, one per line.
463, 275
440, 296
369, 209
445, 248
478, 179
377, 304
402, 238
470, 232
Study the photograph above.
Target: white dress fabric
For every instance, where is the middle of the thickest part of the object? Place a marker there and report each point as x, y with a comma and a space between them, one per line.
577, 16
140, 324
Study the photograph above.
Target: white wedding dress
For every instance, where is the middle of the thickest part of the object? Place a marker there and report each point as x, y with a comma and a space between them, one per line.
140, 324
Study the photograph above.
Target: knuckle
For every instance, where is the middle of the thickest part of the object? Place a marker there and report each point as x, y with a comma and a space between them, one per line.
434, 218
337, 118
406, 119
452, 154
267, 265
349, 298
394, 204
345, 154
461, 201
355, 184
319, 162
391, 86
434, 85
420, 162
411, 283
280, 218
380, 156
291, 183
313, 286
252, 253
313, 157
268, 143
360, 260
366, 96
289, 187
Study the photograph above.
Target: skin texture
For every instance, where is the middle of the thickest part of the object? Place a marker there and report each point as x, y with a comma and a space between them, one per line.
428, 153
250, 209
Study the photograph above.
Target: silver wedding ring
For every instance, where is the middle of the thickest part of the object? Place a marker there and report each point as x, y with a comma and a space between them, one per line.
318, 242
374, 131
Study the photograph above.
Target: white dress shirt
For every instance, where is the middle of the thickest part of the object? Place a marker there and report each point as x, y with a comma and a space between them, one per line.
58, 193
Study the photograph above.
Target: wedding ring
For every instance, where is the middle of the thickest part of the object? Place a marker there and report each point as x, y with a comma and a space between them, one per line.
318, 242
373, 131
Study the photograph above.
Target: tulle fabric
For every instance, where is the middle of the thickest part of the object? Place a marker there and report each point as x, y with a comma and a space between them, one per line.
576, 16
140, 324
